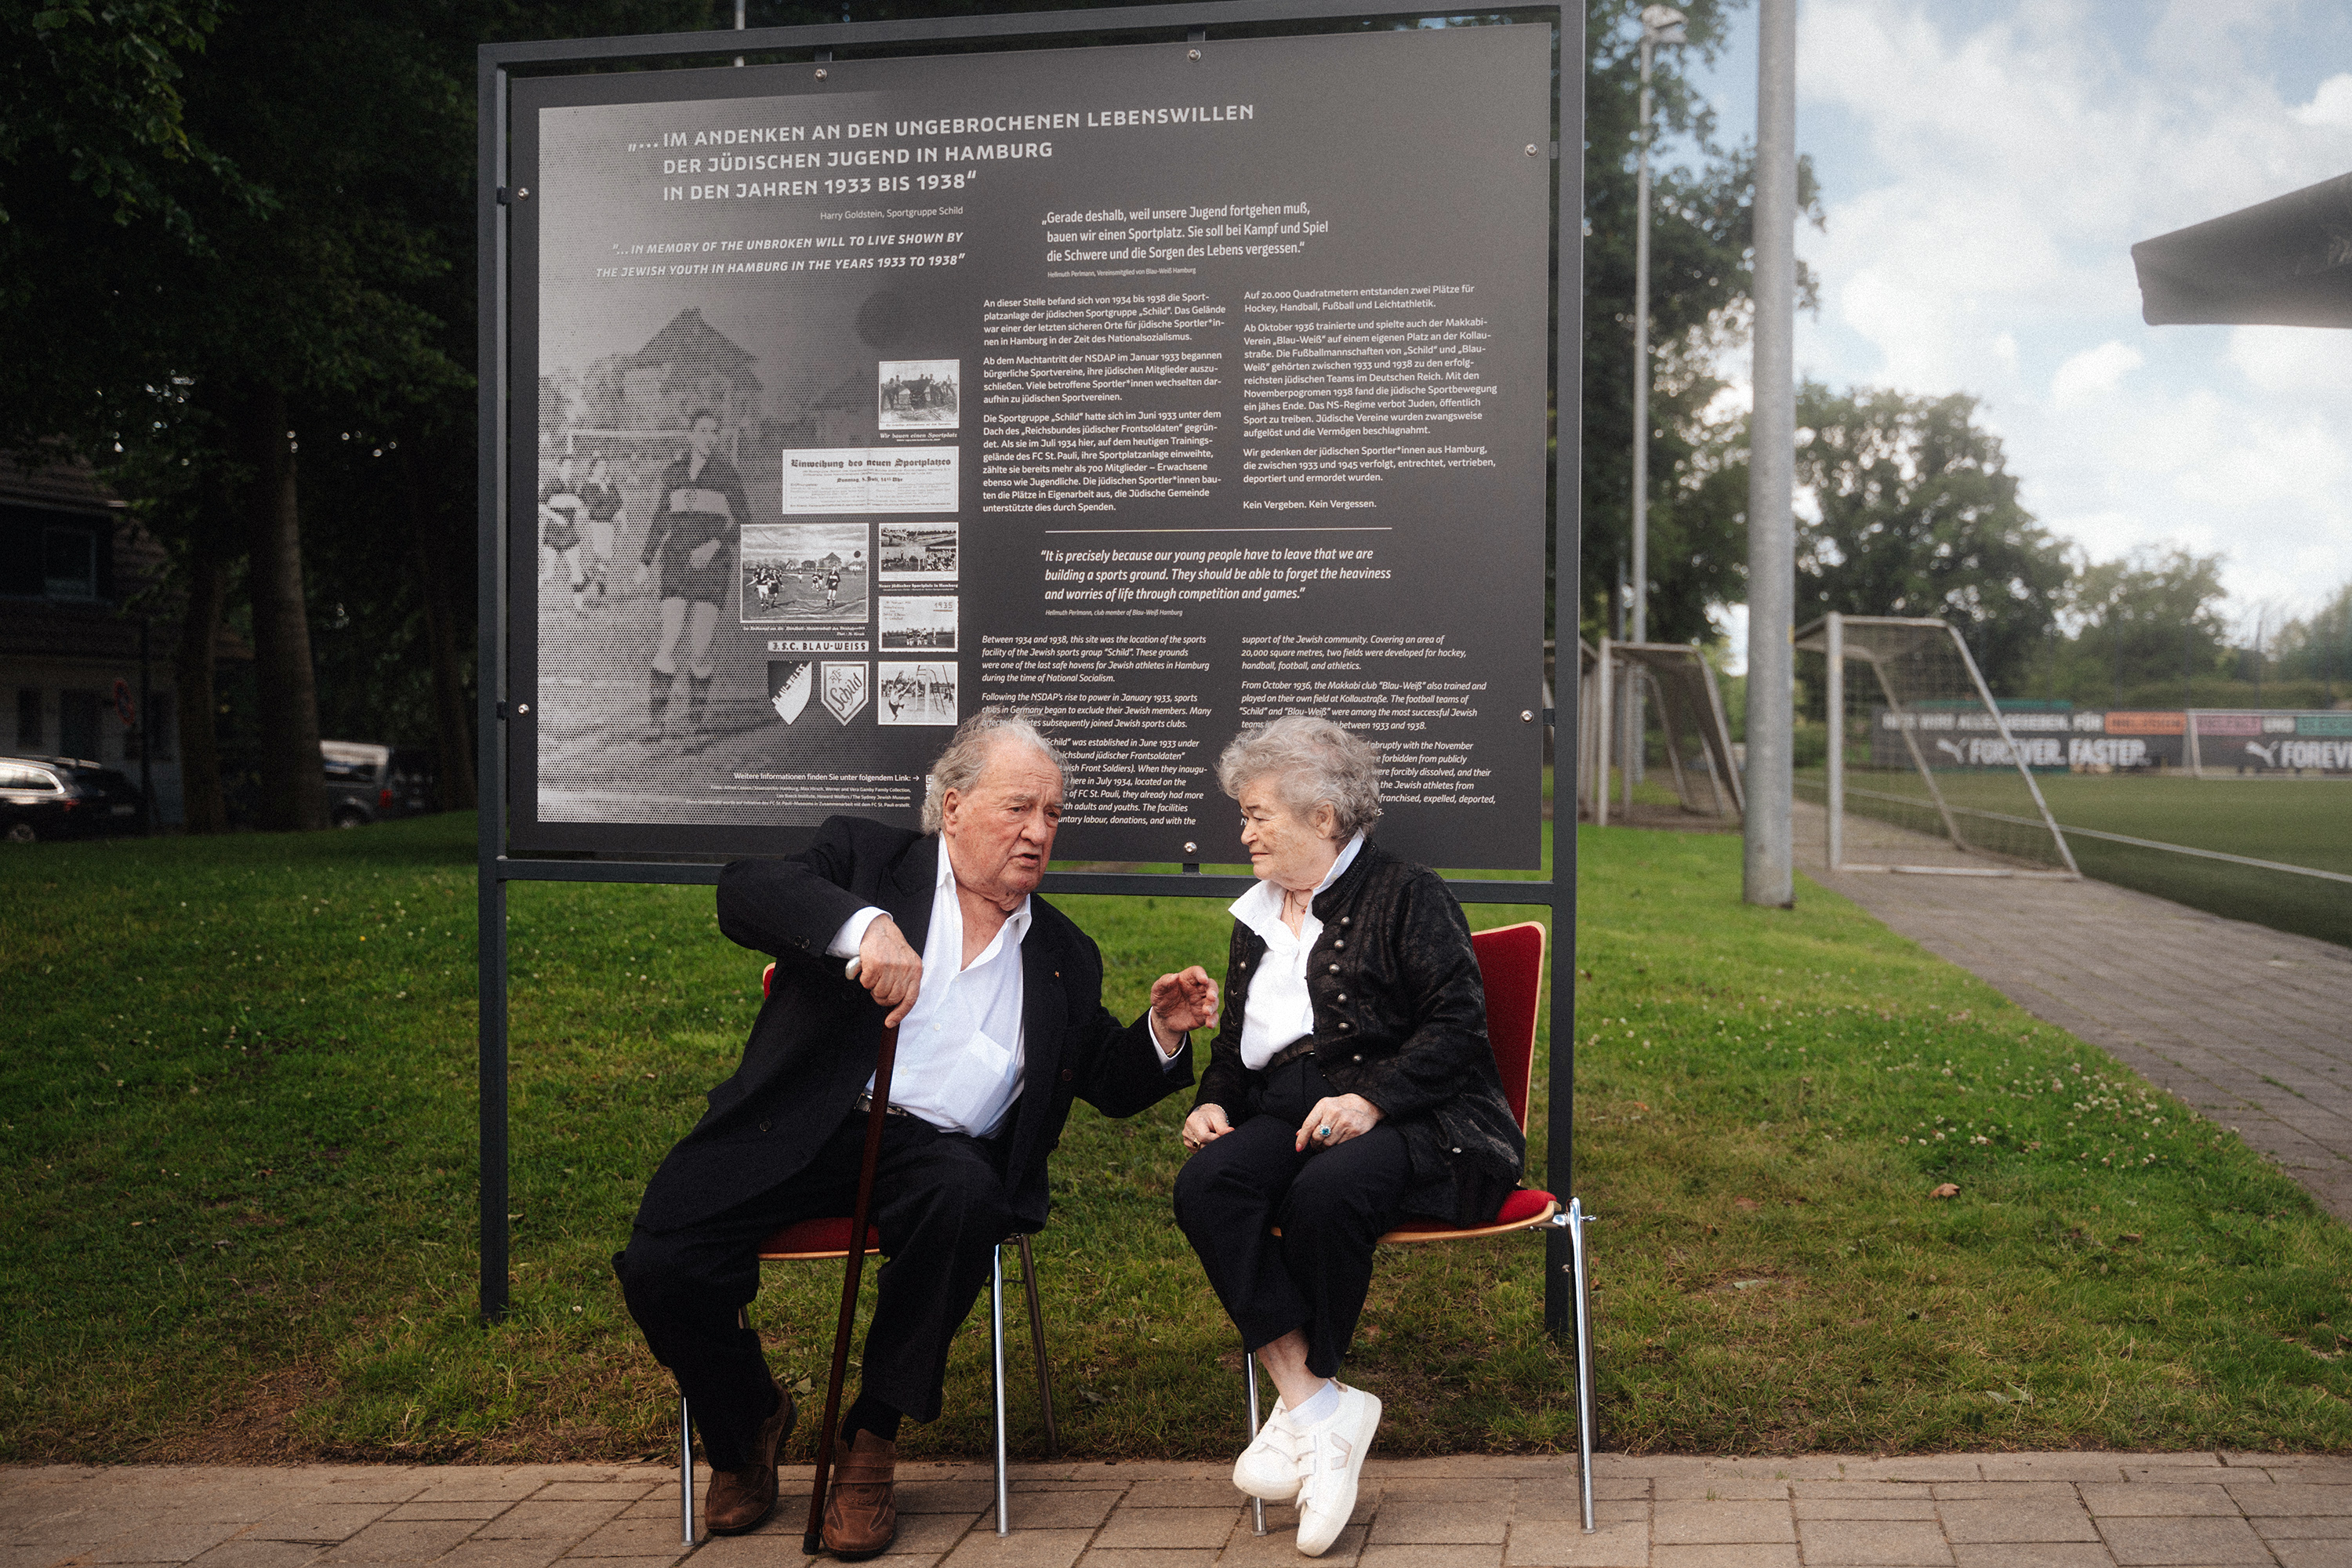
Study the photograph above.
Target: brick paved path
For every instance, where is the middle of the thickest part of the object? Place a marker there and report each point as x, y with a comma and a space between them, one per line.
2252, 1027
2002, 1511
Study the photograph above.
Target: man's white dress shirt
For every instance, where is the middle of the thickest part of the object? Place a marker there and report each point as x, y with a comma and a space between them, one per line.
1279, 1010
959, 1062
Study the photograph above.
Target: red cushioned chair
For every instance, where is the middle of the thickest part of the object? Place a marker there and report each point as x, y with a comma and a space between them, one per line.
1510, 962
827, 1240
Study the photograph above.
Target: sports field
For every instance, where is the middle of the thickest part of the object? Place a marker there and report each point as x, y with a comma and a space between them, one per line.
2291, 822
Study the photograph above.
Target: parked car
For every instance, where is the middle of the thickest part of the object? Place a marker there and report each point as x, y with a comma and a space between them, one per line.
375, 784
66, 798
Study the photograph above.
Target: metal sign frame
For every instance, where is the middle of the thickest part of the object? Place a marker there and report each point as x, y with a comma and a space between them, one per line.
498, 63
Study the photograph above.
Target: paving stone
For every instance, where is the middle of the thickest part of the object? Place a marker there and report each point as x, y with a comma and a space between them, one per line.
1454, 1555
2004, 1491
596, 1491
1994, 1521
242, 1554
2160, 1473
1862, 1508
1214, 1492
1872, 1542
1567, 1503
1562, 1543
1278, 1547
2314, 1553
457, 1485
2202, 1542
1159, 1557
1720, 1488
451, 1508
1719, 1556
630, 1538
163, 1540
1022, 1549
1413, 1520
325, 1524
1914, 1468
418, 1541
1451, 1488
1862, 1490
1165, 1526
393, 1486
2311, 1468
2126, 1498
527, 1553
2031, 1554
2051, 1467
2302, 1527
564, 1520
2289, 1497
934, 1535
1067, 1511
1681, 1523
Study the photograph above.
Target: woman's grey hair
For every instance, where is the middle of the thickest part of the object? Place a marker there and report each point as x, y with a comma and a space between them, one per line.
960, 767
1315, 761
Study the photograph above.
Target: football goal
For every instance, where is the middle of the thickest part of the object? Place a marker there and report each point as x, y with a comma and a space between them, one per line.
1638, 691
1922, 771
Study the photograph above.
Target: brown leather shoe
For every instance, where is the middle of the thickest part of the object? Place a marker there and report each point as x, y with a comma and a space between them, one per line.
861, 1511
739, 1500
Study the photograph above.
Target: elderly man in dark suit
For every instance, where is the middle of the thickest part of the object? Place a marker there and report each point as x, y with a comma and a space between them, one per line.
998, 997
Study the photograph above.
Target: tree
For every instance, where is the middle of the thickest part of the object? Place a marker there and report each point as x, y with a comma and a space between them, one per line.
2145, 619
1700, 274
1919, 515
2319, 648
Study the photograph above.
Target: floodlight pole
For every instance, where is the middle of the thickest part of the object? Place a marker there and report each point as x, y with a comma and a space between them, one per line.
1660, 25
1769, 872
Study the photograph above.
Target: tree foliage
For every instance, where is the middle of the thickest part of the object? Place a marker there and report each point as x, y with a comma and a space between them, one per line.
2140, 620
1917, 514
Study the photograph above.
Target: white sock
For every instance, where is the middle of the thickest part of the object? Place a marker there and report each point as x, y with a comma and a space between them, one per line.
1322, 1407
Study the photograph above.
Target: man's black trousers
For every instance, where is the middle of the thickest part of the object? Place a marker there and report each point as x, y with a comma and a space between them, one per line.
1331, 1205
941, 1206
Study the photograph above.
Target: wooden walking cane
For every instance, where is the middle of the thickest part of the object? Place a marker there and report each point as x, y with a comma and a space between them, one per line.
811, 1541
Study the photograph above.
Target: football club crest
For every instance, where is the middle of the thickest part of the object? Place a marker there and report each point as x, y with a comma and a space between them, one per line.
788, 687
844, 690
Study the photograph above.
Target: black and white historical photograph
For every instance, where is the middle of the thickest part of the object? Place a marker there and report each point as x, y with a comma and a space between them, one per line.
918, 394
799, 574
918, 623
921, 693
918, 554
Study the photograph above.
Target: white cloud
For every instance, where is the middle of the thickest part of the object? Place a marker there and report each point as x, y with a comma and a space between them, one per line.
2092, 375
2331, 105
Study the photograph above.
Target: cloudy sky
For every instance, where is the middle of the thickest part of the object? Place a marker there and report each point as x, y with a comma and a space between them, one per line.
1985, 165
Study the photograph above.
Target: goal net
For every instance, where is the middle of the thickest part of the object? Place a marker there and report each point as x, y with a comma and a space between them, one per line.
1921, 770
1656, 711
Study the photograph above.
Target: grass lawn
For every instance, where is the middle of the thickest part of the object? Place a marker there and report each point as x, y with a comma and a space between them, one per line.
238, 1134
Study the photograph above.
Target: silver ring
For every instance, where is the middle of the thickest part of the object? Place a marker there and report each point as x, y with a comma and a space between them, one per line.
1322, 1132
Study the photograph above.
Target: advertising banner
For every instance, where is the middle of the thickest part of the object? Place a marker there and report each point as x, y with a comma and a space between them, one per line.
1154, 390
2054, 737
2273, 742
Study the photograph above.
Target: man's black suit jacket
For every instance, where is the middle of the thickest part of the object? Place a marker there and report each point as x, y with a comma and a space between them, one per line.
816, 1040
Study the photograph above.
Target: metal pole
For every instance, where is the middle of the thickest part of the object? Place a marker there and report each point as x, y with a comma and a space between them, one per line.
738, 24
1835, 638
1249, 1379
1579, 1260
1769, 872
1638, 613
1602, 677
489, 752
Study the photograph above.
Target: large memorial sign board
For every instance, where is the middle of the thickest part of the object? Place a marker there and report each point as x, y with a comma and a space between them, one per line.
1155, 389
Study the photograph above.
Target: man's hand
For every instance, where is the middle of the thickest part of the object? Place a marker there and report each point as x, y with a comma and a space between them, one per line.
644, 571
1182, 1003
701, 553
1334, 1120
1205, 1125
891, 972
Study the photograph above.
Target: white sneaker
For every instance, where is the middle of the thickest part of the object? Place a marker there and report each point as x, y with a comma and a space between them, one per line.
1330, 1459
1268, 1467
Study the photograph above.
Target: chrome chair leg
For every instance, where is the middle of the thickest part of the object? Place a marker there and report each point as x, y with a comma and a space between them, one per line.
1249, 1376
996, 1349
684, 1473
1577, 1220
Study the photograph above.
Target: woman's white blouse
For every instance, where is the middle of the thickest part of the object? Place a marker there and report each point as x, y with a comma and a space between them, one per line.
1279, 1010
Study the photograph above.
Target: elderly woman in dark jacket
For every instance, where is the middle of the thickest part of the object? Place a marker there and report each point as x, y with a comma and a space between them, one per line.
1351, 1085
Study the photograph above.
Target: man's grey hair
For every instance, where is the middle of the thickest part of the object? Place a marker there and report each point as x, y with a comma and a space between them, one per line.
1315, 762
960, 766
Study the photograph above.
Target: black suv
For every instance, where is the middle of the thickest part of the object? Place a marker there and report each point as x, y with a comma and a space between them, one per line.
65, 797
374, 784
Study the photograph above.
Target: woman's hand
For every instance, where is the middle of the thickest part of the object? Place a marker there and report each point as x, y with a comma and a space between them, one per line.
1336, 1120
1205, 1125
702, 553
